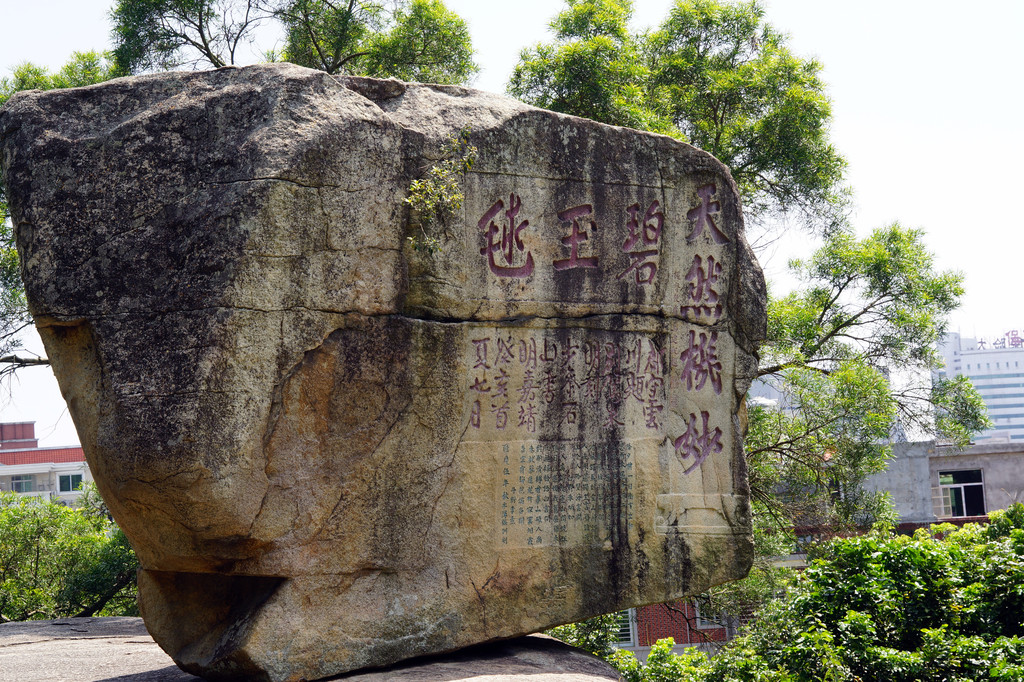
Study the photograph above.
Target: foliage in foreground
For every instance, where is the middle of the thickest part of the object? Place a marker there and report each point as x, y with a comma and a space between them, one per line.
58, 562
945, 604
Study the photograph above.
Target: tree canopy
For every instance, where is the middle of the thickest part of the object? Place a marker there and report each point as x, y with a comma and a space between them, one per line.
420, 41
713, 74
167, 34
409, 39
595, 68
735, 89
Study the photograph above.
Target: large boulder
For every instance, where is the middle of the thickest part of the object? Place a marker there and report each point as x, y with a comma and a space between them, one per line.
333, 449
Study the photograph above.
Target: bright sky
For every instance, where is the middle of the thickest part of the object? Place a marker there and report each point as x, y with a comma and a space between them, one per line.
927, 101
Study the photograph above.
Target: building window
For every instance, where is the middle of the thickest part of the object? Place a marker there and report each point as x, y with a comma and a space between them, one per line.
70, 482
705, 621
963, 493
21, 484
625, 634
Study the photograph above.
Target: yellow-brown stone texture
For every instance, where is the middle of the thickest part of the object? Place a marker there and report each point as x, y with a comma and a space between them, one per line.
333, 451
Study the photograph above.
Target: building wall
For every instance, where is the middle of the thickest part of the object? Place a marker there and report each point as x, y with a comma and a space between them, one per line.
917, 491
681, 621
1002, 466
29, 470
908, 481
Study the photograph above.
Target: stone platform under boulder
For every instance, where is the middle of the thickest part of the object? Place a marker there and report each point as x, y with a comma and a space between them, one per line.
120, 650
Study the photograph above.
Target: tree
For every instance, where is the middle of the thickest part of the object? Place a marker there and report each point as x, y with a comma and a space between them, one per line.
851, 353
597, 635
327, 35
714, 74
420, 40
167, 34
56, 562
734, 89
84, 68
594, 69
408, 39
426, 43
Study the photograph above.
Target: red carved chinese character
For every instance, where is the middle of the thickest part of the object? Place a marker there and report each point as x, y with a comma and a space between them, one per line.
576, 235
528, 353
696, 444
506, 351
528, 418
612, 419
550, 351
474, 415
481, 352
631, 356
651, 410
634, 385
655, 359
502, 383
611, 359
549, 388
569, 352
703, 290
510, 240
702, 217
700, 362
528, 391
654, 385
649, 235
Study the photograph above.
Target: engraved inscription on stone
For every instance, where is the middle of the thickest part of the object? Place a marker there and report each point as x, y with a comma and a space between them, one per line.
526, 382
562, 493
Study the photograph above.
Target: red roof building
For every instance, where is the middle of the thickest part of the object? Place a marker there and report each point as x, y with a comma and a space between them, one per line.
27, 469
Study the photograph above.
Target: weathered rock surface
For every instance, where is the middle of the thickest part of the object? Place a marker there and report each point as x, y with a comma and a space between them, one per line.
120, 650
333, 451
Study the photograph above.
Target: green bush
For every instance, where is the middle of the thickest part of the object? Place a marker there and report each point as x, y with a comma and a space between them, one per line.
946, 604
57, 561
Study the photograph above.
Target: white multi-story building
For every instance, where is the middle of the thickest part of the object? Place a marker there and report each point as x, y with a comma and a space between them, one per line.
996, 368
27, 469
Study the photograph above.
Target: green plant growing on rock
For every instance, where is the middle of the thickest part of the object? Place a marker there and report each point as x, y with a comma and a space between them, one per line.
437, 195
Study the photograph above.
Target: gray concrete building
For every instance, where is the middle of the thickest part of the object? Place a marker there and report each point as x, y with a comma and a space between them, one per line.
930, 482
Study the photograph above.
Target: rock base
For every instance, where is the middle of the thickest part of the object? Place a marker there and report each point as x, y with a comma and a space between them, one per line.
121, 650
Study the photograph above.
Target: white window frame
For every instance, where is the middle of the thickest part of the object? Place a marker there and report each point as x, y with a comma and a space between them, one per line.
17, 482
946, 491
71, 481
626, 635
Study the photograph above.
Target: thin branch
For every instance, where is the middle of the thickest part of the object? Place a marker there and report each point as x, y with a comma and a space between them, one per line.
19, 361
